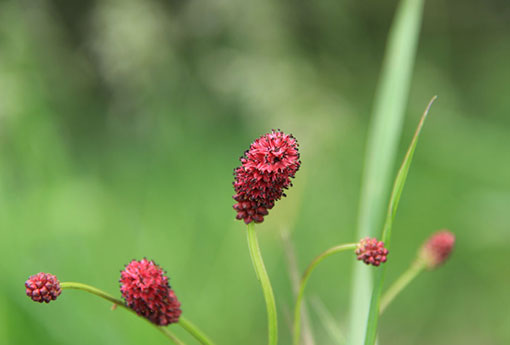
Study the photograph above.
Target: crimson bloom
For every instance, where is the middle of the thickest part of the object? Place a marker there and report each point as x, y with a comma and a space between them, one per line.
371, 251
265, 172
146, 290
43, 287
437, 248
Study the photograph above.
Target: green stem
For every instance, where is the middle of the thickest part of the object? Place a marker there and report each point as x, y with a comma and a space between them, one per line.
260, 270
412, 272
194, 331
304, 280
94, 291
118, 302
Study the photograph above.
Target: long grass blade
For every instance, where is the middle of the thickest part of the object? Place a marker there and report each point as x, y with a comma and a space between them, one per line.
398, 187
383, 137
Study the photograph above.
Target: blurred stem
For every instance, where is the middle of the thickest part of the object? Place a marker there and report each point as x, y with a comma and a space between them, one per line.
412, 272
304, 280
328, 321
118, 302
260, 270
306, 334
194, 331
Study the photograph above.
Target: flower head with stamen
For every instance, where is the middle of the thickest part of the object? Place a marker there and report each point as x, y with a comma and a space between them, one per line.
146, 290
265, 172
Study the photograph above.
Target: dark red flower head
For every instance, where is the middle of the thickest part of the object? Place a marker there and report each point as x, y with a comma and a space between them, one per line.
437, 249
146, 290
265, 172
43, 287
371, 251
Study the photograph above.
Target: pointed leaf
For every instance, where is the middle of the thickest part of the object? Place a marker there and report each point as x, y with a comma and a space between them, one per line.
398, 187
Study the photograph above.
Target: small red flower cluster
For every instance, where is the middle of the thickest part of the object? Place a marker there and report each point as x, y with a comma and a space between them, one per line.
146, 290
437, 248
265, 171
371, 251
43, 287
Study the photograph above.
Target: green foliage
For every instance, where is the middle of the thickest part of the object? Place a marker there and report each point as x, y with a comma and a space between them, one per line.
398, 187
383, 137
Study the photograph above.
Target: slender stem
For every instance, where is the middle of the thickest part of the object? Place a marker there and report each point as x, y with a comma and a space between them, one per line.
110, 298
304, 280
412, 272
95, 291
307, 335
169, 334
194, 331
260, 270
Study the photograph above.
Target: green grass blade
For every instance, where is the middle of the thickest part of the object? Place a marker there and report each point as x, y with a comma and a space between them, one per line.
400, 180
398, 187
383, 137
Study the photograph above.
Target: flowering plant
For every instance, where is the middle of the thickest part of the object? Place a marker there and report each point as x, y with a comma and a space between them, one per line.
266, 170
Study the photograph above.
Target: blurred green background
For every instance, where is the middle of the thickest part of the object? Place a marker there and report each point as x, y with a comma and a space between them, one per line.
121, 122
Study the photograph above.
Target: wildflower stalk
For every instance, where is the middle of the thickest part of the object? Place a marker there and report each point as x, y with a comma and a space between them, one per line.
260, 270
94, 291
433, 253
295, 277
188, 326
412, 272
194, 331
304, 280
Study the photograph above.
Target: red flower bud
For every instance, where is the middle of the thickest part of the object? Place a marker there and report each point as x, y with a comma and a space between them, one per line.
371, 251
437, 248
43, 287
146, 290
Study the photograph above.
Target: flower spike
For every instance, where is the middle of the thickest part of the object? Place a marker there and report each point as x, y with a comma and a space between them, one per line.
146, 290
265, 172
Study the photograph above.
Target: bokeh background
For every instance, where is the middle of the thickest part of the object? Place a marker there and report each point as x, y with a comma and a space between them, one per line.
121, 122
